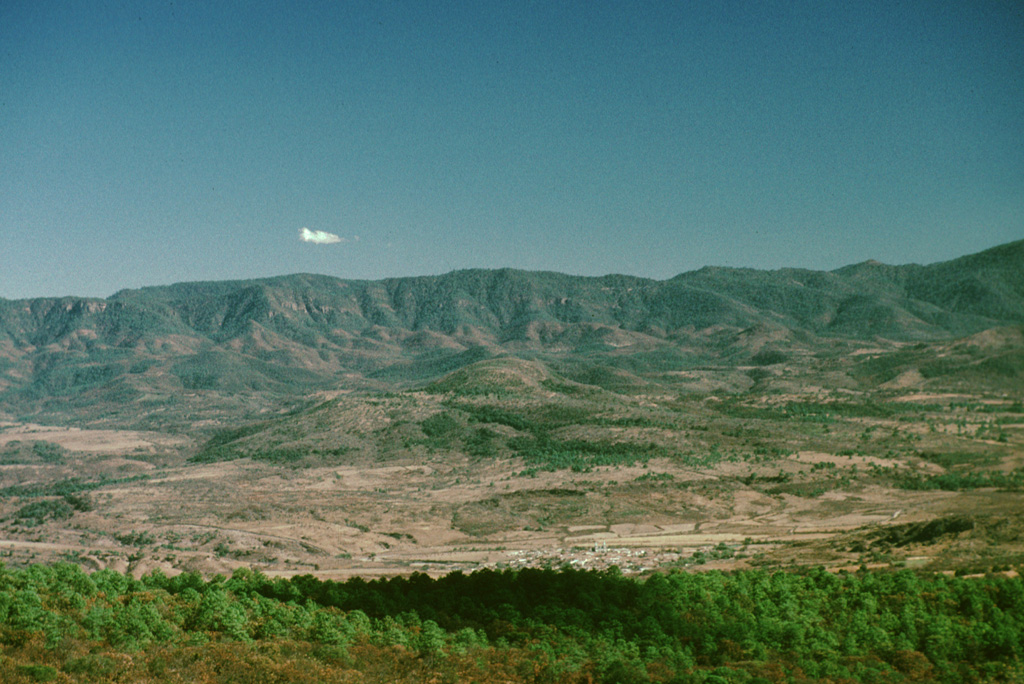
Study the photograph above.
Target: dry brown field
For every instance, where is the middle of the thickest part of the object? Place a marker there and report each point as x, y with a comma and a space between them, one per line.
796, 473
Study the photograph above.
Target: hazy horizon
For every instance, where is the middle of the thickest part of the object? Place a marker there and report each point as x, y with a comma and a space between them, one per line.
147, 145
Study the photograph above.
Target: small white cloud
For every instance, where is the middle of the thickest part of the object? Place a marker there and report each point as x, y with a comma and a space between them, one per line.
319, 237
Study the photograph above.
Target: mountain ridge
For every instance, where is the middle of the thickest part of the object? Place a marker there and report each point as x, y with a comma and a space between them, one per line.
990, 278
296, 333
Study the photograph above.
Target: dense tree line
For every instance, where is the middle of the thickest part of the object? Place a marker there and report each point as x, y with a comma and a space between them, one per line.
58, 623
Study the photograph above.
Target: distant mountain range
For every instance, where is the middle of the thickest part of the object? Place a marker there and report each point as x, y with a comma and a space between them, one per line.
295, 334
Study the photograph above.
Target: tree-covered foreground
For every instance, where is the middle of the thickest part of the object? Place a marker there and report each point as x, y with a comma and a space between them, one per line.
58, 623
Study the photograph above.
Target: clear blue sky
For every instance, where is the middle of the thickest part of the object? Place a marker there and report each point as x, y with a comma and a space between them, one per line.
145, 143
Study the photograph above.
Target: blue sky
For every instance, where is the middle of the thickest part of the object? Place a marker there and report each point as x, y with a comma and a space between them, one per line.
145, 143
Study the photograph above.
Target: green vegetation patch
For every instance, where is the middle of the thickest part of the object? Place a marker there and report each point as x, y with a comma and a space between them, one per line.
69, 376
923, 533
540, 448
133, 538
814, 411
442, 429
487, 413
960, 481
66, 487
960, 459
36, 451
220, 446
48, 452
232, 372
548, 454
769, 357
741, 627
38, 512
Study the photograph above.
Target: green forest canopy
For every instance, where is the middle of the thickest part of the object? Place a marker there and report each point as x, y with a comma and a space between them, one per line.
526, 625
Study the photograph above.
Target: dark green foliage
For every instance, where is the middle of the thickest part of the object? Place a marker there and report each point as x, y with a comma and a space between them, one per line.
12, 452
441, 429
822, 411
136, 538
48, 452
655, 477
92, 667
919, 533
218, 447
482, 443
20, 452
958, 481
957, 459
280, 455
38, 512
66, 487
754, 478
231, 372
495, 414
689, 627
232, 434
38, 673
542, 451
80, 502
68, 375
546, 453
633, 421
768, 357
